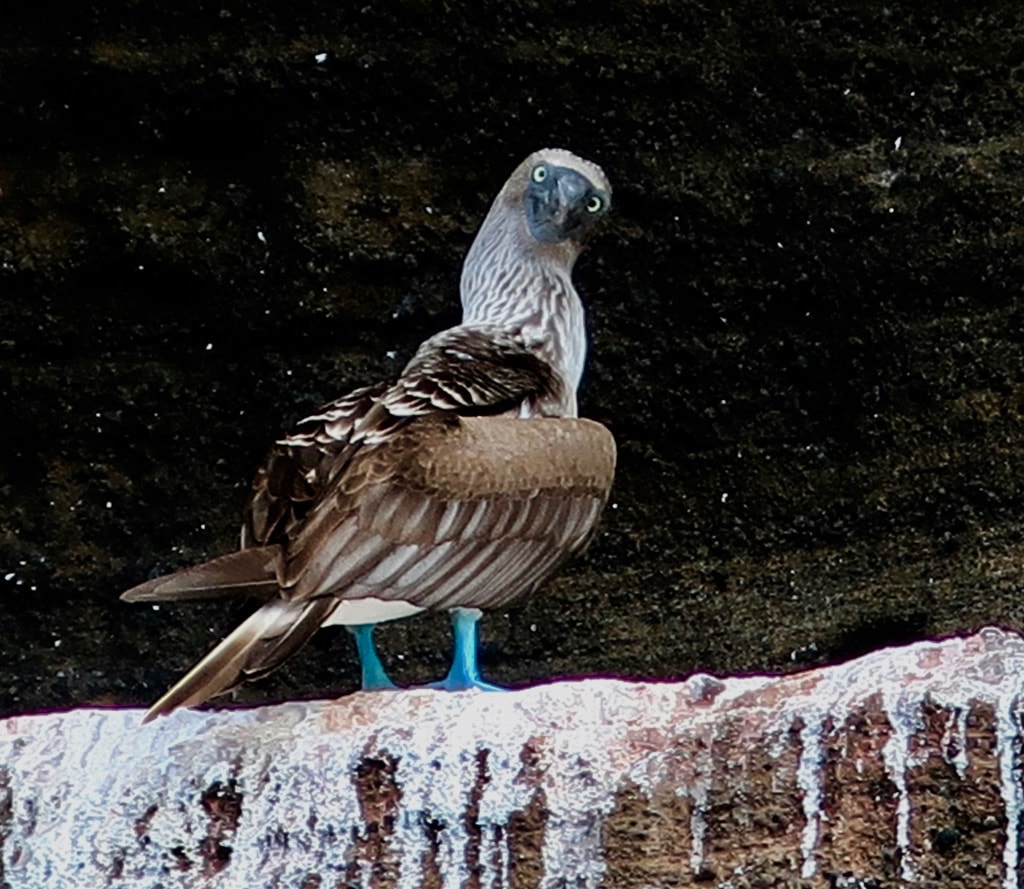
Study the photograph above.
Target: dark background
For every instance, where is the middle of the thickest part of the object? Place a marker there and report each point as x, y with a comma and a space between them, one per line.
805, 312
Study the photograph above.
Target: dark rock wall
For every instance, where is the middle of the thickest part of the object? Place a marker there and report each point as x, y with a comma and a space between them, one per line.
805, 310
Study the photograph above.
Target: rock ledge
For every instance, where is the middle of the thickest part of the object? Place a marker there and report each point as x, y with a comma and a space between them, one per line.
903, 766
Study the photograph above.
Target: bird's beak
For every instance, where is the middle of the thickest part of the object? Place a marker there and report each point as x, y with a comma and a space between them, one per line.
555, 208
569, 188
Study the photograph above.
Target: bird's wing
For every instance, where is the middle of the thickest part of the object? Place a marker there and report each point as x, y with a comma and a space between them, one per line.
481, 369
294, 472
382, 511
285, 488
465, 370
473, 370
464, 511
470, 512
251, 571
375, 493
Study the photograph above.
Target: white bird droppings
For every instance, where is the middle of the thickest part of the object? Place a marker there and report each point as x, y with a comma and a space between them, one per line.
396, 782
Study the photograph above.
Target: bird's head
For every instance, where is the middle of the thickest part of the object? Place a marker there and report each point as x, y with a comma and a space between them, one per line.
564, 195
533, 233
560, 195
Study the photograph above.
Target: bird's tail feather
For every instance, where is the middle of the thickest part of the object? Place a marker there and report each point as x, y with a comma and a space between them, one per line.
260, 643
252, 571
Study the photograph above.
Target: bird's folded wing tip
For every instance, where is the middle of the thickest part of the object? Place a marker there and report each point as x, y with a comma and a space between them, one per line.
139, 593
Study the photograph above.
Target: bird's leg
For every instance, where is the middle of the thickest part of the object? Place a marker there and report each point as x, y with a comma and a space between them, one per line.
465, 671
374, 676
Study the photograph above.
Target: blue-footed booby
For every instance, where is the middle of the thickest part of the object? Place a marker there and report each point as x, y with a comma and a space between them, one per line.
461, 486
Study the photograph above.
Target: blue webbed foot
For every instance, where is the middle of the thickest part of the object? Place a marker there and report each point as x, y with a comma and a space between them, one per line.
465, 671
374, 676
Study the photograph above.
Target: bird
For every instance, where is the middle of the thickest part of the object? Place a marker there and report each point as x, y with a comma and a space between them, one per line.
462, 485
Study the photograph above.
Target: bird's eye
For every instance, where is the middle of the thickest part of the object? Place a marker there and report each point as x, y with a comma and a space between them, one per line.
595, 204
539, 174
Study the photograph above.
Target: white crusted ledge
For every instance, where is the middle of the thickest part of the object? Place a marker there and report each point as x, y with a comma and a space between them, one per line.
901, 766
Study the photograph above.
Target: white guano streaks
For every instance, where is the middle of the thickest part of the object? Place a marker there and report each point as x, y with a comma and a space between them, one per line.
698, 793
808, 779
903, 712
905, 679
954, 741
93, 793
1008, 747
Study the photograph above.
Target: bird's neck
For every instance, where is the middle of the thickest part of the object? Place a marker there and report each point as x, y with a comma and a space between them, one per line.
514, 289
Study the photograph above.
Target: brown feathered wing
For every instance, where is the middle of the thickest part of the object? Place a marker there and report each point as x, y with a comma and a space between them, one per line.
432, 491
